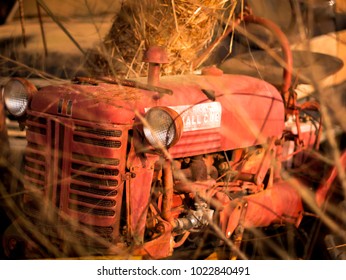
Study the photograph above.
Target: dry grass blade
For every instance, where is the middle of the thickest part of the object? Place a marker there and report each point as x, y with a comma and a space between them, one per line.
183, 27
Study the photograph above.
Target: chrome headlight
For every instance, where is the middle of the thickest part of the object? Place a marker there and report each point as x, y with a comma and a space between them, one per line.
163, 127
17, 96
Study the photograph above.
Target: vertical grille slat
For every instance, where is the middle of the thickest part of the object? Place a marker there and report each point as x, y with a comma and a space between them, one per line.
60, 163
53, 168
35, 157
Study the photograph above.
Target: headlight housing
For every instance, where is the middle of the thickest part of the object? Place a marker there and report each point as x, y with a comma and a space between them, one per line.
17, 96
163, 127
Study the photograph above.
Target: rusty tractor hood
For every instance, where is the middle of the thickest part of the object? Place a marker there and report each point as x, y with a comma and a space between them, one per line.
227, 111
102, 103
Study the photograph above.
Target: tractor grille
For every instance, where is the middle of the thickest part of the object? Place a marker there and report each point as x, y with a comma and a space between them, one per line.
77, 167
35, 157
85, 239
97, 142
99, 132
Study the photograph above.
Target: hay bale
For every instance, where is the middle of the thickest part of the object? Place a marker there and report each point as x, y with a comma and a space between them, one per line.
183, 27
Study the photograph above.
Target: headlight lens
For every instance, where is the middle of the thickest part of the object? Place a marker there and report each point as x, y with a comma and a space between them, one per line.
164, 127
17, 95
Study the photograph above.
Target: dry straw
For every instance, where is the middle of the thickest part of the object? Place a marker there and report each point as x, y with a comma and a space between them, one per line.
184, 27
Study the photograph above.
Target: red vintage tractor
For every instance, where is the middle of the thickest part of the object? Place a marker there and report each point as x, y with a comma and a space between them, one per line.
150, 167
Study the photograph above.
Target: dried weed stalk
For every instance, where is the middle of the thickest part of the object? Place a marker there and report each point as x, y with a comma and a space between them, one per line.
183, 27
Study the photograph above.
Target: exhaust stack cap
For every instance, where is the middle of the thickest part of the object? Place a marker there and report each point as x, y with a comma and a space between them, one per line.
155, 54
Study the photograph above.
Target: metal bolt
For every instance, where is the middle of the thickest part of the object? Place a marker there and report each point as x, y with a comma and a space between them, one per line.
160, 228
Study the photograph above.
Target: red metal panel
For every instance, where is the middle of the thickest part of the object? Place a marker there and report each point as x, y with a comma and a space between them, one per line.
281, 203
252, 110
110, 103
